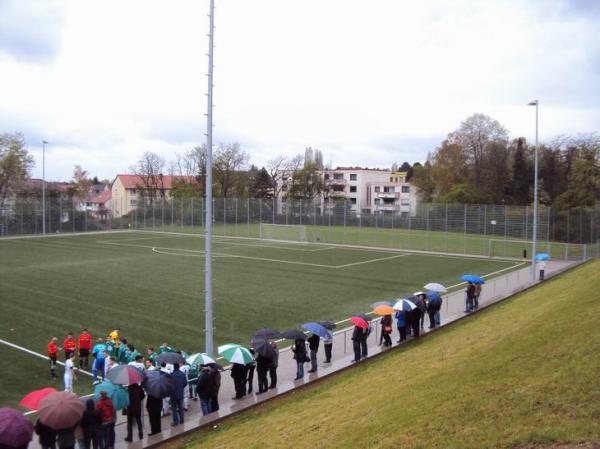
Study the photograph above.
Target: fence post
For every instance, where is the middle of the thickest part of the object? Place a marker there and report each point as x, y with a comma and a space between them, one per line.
465, 229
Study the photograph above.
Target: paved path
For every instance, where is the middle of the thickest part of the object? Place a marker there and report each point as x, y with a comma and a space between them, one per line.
495, 290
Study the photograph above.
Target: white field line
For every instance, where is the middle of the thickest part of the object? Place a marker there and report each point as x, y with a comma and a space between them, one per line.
199, 253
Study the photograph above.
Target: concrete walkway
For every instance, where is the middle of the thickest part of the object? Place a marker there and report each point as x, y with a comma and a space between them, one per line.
496, 289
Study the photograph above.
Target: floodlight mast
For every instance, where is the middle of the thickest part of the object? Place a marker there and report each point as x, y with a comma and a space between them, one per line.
208, 226
44, 143
535, 191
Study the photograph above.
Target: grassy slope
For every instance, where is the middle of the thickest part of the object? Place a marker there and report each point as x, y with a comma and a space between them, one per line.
526, 371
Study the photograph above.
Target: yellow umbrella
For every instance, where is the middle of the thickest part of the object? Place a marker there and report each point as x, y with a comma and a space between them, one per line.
383, 310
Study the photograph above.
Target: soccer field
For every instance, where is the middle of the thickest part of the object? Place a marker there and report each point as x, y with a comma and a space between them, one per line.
151, 286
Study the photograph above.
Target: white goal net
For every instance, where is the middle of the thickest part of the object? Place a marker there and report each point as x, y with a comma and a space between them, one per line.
294, 233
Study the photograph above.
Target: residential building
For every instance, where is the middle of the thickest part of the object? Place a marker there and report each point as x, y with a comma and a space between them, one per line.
128, 190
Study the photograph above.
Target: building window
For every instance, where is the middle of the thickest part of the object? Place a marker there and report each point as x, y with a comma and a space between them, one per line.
405, 202
132, 202
405, 189
284, 188
353, 177
376, 201
326, 176
338, 188
352, 189
388, 189
377, 189
391, 179
338, 176
352, 200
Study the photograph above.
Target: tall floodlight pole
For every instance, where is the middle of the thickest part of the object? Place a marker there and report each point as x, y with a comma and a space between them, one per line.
208, 315
535, 191
44, 143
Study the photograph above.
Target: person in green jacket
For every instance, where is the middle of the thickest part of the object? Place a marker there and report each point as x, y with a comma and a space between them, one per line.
165, 348
152, 355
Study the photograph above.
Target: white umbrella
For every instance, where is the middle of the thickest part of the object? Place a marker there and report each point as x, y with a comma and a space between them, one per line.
404, 304
199, 359
235, 353
435, 287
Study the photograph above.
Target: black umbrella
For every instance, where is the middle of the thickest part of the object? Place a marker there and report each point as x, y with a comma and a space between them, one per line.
170, 357
327, 324
264, 348
267, 334
293, 334
159, 384
216, 366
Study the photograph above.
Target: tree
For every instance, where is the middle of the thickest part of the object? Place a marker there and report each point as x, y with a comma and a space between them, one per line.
318, 159
422, 178
404, 167
448, 167
262, 184
228, 162
584, 177
394, 167
307, 182
81, 182
150, 171
15, 163
522, 173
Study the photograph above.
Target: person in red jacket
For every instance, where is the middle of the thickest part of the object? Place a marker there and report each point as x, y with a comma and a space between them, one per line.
69, 345
85, 346
107, 434
52, 355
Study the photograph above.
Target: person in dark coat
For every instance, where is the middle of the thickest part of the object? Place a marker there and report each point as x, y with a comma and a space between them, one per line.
238, 374
65, 438
470, 293
328, 346
401, 324
313, 345
91, 423
356, 338
273, 366
262, 368
215, 386
386, 329
134, 411
250, 371
154, 407
363, 340
180, 382
47, 435
204, 389
299, 350
417, 314
433, 308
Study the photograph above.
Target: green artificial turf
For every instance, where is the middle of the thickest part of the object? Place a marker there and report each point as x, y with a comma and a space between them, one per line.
523, 374
151, 286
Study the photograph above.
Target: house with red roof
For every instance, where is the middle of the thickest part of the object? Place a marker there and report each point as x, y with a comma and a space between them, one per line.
128, 190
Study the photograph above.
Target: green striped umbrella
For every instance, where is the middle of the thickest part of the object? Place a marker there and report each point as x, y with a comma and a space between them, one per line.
235, 353
199, 359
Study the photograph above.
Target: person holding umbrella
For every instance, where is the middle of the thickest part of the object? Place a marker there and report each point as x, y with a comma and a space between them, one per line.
470, 295
134, 410
313, 346
180, 382
299, 350
273, 366
91, 423
238, 374
16, 431
250, 367
386, 330
477, 294
215, 386
47, 435
263, 363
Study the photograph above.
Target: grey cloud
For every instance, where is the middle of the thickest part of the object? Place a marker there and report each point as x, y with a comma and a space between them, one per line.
30, 30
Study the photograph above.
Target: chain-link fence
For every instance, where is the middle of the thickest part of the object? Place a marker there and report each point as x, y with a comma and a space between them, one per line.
487, 230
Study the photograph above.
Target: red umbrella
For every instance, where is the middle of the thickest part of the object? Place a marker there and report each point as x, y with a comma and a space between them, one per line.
15, 429
32, 400
60, 410
360, 322
125, 375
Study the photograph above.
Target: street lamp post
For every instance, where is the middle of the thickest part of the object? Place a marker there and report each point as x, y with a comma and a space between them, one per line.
44, 143
535, 191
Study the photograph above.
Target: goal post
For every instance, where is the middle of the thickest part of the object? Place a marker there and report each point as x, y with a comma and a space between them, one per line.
293, 233
509, 248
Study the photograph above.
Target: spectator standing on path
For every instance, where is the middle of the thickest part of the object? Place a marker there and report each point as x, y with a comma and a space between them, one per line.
154, 407
478, 293
65, 438
357, 334
91, 423
421, 303
107, 434
85, 346
215, 386
69, 346
273, 366
328, 346
250, 371
386, 330
52, 356
299, 350
69, 375
238, 374
134, 411
262, 368
417, 314
204, 390
432, 309
99, 353
185, 369
401, 324
313, 345
47, 435
470, 294
177, 397
363, 340
542, 268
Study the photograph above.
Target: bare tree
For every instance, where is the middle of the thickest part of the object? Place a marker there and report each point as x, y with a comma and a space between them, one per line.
150, 171
15, 163
81, 182
229, 161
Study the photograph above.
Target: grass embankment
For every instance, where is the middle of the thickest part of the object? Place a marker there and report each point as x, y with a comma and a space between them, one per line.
526, 372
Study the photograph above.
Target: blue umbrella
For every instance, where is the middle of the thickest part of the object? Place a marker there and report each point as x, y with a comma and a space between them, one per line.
434, 298
542, 256
118, 395
317, 329
472, 278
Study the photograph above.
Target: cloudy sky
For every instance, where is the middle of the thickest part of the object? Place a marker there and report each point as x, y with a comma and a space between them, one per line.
367, 82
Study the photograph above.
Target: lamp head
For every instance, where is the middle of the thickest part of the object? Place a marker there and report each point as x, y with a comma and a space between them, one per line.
532, 103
